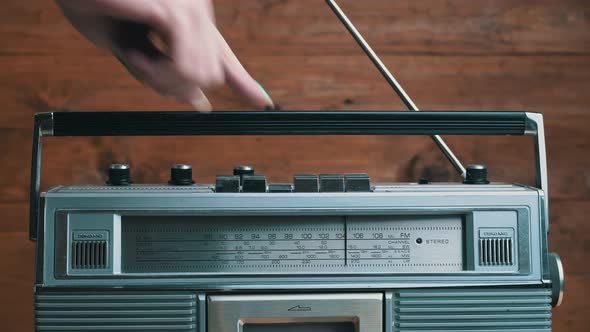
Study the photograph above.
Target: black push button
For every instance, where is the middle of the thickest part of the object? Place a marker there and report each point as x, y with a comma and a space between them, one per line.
227, 184
254, 183
357, 182
305, 183
331, 183
280, 188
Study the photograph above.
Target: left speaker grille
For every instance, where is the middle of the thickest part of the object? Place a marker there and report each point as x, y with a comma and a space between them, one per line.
164, 312
89, 255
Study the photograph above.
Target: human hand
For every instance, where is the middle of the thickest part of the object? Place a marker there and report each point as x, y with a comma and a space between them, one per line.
172, 46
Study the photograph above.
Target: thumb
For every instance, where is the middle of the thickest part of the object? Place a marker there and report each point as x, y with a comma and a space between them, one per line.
240, 80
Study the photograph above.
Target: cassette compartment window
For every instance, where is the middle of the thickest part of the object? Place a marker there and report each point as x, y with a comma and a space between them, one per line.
299, 327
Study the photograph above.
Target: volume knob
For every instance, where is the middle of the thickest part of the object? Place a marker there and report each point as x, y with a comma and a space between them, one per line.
181, 175
119, 175
476, 174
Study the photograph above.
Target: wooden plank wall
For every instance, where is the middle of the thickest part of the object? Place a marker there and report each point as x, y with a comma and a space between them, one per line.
449, 55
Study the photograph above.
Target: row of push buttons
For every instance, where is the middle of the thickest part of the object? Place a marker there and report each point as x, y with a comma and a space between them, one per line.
244, 180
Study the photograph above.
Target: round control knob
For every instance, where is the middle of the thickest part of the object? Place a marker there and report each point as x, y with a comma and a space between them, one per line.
181, 175
557, 279
476, 174
119, 175
243, 170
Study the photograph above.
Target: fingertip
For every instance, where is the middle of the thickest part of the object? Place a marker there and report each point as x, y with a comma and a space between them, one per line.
240, 80
201, 104
253, 92
269, 103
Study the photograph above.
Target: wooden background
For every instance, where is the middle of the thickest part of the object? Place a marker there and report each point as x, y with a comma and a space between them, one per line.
449, 54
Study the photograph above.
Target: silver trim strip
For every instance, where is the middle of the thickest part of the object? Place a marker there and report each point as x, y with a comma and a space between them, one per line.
535, 127
43, 127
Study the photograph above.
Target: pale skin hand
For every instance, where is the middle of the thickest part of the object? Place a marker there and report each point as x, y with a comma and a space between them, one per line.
196, 57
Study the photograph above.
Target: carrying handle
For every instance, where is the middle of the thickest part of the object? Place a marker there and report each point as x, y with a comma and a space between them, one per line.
286, 123
59, 124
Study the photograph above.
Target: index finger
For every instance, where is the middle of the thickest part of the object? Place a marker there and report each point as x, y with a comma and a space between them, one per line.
240, 80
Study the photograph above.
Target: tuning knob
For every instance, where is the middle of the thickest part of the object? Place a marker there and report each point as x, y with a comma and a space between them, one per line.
119, 175
243, 170
557, 279
476, 174
181, 175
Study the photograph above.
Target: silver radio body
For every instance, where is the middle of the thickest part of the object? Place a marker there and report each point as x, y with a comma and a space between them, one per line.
257, 257
404, 257
324, 254
334, 253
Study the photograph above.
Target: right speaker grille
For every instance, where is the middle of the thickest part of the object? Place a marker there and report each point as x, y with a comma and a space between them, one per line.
466, 309
496, 251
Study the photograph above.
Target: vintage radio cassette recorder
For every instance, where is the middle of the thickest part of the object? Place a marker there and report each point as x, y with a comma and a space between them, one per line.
325, 253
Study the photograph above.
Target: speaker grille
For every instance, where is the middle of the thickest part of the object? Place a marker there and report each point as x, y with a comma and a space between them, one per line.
89, 255
482, 310
163, 312
496, 251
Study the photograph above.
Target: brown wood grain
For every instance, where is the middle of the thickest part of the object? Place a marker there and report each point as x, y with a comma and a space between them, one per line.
573, 314
270, 27
449, 55
569, 237
14, 216
548, 84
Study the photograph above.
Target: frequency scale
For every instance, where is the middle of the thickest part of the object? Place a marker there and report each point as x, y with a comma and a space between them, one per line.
328, 244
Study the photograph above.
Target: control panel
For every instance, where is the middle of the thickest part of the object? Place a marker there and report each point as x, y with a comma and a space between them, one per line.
244, 179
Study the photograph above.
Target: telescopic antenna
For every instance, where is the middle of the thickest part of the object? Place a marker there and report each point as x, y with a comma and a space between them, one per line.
393, 82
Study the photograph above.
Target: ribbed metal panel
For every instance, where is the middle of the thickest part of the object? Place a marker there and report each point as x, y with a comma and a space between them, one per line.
89, 255
155, 312
482, 310
496, 251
